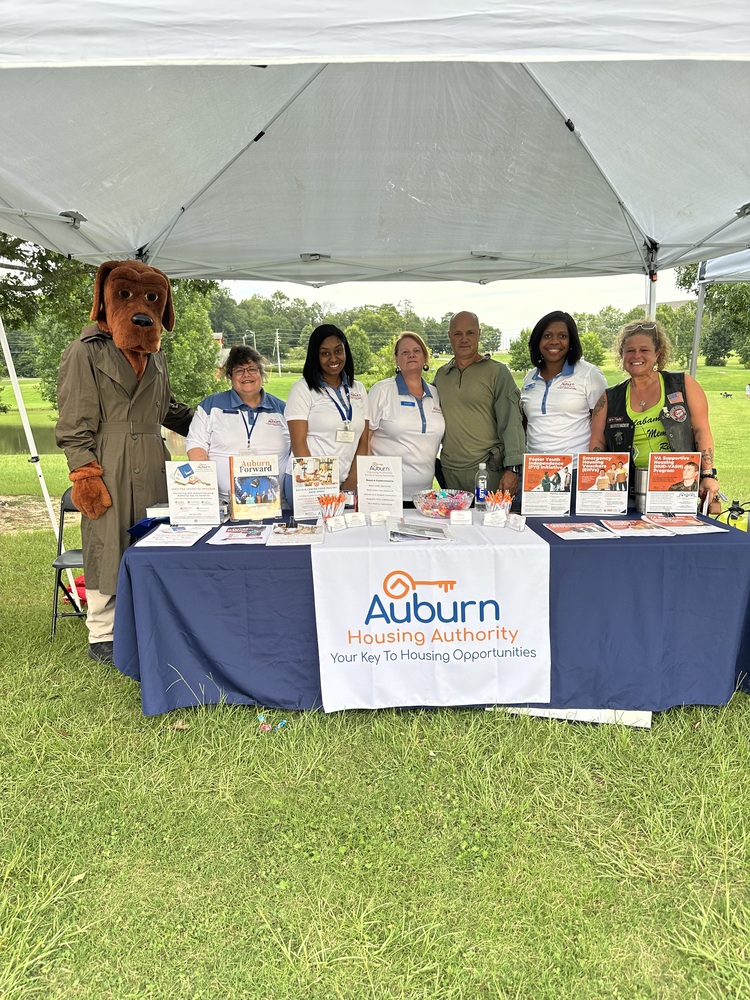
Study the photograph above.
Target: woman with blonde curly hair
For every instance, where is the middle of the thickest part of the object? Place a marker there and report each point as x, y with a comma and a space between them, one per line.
653, 409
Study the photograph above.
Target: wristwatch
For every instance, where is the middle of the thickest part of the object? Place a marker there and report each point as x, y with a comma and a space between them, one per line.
709, 474
513, 468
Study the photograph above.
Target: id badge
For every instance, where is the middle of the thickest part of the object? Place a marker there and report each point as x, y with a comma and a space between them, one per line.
344, 435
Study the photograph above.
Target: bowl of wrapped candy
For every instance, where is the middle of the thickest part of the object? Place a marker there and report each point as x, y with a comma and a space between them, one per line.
440, 503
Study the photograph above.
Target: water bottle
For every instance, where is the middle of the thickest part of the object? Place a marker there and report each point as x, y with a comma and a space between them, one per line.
480, 487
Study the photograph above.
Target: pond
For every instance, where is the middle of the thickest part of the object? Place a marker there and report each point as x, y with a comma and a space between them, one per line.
13, 441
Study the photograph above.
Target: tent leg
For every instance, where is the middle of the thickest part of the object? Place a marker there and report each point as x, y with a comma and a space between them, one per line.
34, 455
697, 330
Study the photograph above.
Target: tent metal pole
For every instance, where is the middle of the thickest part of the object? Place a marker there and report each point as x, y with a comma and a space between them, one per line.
34, 455
651, 307
697, 329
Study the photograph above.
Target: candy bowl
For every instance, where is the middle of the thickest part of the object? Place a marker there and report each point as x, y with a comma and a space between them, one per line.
440, 503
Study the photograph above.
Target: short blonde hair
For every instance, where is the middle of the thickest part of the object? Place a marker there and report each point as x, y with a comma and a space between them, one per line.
652, 329
415, 337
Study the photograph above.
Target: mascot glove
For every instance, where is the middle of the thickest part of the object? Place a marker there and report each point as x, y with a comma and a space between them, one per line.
89, 493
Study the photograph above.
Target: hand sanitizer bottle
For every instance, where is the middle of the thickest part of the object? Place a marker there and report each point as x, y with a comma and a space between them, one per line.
480, 487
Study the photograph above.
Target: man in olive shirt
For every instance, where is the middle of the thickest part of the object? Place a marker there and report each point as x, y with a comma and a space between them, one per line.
481, 405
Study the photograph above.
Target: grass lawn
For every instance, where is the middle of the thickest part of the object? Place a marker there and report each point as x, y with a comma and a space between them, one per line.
447, 854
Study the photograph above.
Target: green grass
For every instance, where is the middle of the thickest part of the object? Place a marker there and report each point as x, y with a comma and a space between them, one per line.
447, 854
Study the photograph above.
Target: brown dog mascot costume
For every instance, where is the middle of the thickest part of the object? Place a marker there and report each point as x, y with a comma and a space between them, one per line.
113, 398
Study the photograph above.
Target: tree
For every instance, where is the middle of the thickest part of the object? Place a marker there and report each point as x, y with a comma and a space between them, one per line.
519, 360
359, 343
32, 278
593, 351
717, 342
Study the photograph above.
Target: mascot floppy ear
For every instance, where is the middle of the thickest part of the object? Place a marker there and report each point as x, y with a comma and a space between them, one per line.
167, 318
98, 309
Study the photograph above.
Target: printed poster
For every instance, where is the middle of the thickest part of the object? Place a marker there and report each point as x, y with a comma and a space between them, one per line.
313, 478
379, 485
602, 482
193, 493
546, 484
256, 489
673, 482
414, 626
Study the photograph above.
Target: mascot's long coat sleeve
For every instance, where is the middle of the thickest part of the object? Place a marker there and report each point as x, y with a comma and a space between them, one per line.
108, 416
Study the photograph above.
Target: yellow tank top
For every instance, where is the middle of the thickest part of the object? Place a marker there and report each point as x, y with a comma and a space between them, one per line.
649, 432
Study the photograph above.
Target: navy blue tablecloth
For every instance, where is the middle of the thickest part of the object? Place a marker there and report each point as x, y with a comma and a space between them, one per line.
641, 624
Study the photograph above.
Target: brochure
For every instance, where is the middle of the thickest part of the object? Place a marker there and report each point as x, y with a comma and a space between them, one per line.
400, 530
174, 535
602, 482
673, 482
546, 484
379, 484
256, 491
193, 493
241, 534
313, 478
636, 529
578, 530
682, 524
300, 534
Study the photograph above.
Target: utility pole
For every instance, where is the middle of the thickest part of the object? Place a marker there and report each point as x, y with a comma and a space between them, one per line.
278, 353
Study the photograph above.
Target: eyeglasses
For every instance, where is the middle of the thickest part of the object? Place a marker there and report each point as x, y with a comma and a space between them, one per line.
246, 370
642, 326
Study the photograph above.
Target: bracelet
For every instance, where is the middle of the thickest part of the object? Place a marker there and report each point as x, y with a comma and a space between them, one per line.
709, 474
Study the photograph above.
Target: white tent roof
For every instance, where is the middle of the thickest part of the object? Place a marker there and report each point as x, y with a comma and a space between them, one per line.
324, 145
733, 267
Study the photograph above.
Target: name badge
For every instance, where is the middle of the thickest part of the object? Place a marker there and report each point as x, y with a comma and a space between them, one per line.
344, 436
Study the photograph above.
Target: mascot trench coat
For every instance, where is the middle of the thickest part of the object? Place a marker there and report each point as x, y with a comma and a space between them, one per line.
107, 416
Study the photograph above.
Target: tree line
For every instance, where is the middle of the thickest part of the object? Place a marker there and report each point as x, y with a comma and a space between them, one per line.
45, 301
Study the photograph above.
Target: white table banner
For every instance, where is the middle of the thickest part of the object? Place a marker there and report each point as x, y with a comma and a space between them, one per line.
449, 623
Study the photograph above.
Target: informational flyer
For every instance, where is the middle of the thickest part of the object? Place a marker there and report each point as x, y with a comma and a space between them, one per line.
577, 530
193, 493
546, 484
379, 484
673, 482
313, 478
602, 482
299, 534
241, 534
256, 490
683, 524
633, 528
173, 536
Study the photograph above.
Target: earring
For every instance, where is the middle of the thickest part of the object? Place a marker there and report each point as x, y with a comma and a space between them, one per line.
425, 368
397, 369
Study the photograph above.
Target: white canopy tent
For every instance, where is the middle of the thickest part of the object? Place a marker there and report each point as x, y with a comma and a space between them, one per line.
334, 142
733, 267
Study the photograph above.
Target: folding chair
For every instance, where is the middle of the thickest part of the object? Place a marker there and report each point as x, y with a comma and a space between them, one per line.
72, 559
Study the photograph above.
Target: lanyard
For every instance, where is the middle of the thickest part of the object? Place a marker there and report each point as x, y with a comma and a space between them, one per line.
249, 425
345, 412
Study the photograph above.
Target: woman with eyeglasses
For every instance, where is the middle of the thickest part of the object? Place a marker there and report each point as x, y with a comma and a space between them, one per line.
243, 420
653, 409
327, 409
405, 416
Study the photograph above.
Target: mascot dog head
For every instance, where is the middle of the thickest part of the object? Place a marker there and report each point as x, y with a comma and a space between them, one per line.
133, 302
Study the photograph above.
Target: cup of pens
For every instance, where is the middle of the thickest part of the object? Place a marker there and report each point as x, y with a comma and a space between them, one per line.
499, 500
332, 505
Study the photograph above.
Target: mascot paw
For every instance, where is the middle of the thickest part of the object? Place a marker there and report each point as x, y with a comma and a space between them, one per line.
89, 493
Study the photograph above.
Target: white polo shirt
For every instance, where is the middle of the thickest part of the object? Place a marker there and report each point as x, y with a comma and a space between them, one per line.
324, 417
408, 428
558, 412
224, 426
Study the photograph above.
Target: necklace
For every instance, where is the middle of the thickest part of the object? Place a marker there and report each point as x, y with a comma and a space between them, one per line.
645, 391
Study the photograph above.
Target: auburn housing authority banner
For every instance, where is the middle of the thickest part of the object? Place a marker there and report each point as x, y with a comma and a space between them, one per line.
450, 623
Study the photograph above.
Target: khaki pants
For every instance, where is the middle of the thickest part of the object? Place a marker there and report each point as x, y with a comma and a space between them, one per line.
100, 616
